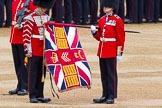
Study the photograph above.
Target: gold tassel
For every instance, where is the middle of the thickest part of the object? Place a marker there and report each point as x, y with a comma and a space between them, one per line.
26, 60
43, 79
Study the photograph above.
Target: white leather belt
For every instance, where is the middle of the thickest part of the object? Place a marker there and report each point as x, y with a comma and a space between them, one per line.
38, 36
103, 39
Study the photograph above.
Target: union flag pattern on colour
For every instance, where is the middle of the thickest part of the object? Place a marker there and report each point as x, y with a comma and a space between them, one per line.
65, 57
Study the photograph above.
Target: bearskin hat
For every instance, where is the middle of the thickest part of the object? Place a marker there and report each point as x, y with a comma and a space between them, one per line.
44, 3
109, 3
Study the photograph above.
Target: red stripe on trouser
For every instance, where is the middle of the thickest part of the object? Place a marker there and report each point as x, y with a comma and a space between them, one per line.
29, 74
115, 79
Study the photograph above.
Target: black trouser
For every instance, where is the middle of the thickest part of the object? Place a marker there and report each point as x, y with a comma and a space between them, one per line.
67, 11
135, 10
80, 8
127, 8
76, 4
57, 12
160, 8
1, 12
8, 4
101, 8
36, 85
21, 71
93, 11
108, 77
119, 10
152, 9
140, 11
84, 12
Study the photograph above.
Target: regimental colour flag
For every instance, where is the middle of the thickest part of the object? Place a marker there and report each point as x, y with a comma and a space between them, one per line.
65, 57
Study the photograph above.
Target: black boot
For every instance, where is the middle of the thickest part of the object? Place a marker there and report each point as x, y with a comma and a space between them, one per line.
22, 92
110, 101
12, 92
100, 100
33, 100
44, 100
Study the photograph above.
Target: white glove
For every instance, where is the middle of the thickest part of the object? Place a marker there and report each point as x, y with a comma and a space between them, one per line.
118, 58
18, 26
93, 29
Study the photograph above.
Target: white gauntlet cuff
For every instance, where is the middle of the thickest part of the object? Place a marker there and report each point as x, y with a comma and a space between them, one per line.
29, 49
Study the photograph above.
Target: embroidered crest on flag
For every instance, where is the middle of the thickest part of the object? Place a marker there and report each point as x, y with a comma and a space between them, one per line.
65, 57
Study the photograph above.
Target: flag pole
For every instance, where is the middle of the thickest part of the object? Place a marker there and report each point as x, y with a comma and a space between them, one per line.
43, 71
83, 26
44, 63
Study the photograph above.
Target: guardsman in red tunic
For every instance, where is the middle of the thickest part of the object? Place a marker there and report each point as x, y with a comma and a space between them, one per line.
33, 47
111, 37
18, 49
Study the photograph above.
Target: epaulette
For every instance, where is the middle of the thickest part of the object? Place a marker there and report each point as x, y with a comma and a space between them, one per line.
101, 17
